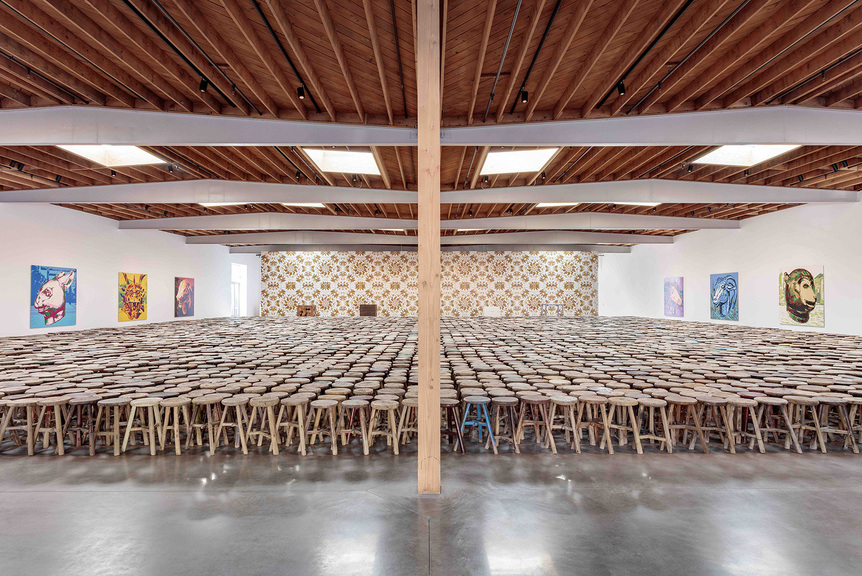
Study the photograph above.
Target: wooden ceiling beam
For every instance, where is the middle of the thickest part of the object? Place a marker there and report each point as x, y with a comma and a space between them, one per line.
56, 64
378, 58
490, 10
742, 48
123, 58
332, 34
845, 93
306, 163
199, 156
575, 22
626, 7
651, 71
749, 11
179, 40
477, 166
13, 93
838, 72
773, 78
237, 164
381, 165
18, 74
648, 33
283, 22
278, 161
31, 159
263, 167
573, 153
158, 58
208, 31
535, 17
263, 52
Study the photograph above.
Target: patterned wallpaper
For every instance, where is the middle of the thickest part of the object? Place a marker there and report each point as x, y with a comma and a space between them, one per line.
518, 282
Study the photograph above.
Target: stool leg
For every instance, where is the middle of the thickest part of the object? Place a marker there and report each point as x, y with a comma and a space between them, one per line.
460, 441
666, 425
790, 431
392, 430
842, 411
176, 416
31, 433
363, 431
728, 427
488, 424
129, 428
333, 436
300, 417
239, 429
401, 438
635, 432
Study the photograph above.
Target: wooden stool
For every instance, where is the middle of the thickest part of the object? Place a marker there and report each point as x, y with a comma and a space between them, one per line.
770, 421
480, 420
240, 416
566, 407
590, 408
149, 418
805, 418
386, 423
292, 416
82, 421
842, 426
52, 413
504, 413
623, 420
114, 410
742, 413
538, 408
20, 416
204, 407
265, 405
173, 409
648, 407
355, 425
408, 424
713, 416
450, 425
684, 421
325, 415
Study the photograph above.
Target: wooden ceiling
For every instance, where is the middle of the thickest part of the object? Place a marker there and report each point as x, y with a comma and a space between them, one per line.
581, 59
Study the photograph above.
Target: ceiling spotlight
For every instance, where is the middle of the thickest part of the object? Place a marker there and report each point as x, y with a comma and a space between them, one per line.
800, 178
57, 179
171, 169
204, 84
621, 88
113, 173
543, 175
298, 174
690, 167
354, 178
300, 92
20, 167
525, 96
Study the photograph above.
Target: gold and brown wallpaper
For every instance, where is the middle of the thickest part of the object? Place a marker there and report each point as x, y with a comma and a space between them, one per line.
517, 282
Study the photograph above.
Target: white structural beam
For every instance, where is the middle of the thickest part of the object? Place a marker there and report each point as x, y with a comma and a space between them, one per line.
91, 125
651, 190
589, 221
200, 191
413, 248
762, 125
267, 221
282, 221
344, 238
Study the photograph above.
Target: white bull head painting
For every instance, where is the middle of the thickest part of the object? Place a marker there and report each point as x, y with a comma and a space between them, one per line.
54, 296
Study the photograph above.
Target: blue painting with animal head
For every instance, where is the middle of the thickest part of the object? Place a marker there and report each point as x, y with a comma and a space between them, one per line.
53, 296
724, 296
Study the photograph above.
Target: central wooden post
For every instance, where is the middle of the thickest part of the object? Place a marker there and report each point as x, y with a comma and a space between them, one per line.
428, 90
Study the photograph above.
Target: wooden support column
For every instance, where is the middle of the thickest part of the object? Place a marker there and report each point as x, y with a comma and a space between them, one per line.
428, 89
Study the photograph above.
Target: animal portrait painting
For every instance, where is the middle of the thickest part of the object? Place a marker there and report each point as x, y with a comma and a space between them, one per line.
724, 296
801, 297
132, 297
184, 297
674, 297
53, 296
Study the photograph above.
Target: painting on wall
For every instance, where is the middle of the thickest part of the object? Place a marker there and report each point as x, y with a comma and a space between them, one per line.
801, 299
674, 297
53, 296
724, 296
133, 297
184, 297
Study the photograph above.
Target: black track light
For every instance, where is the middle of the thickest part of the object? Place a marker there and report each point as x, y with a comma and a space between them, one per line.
621, 88
113, 173
800, 178
690, 167
525, 96
354, 178
485, 180
747, 172
204, 84
300, 93
835, 168
20, 167
543, 175
57, 179
171, 169
298, 174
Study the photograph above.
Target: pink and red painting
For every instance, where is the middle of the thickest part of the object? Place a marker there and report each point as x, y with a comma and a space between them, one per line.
184, 297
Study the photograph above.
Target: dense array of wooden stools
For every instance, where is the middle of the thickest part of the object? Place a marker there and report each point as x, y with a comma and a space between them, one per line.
323, 385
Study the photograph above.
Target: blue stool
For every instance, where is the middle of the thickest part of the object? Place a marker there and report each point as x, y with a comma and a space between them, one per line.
480, 420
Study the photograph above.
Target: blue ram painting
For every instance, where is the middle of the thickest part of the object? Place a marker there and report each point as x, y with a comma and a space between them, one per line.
724, 296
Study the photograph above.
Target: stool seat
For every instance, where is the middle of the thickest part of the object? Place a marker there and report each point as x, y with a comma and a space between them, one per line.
145, 402
54, 401
385, 404
771, 401
206, 400
233, 401
321, 403
481, 400
83, 399
652, 402
803, 400
294, 401
506, 401
623, 401
452, 402
264, 401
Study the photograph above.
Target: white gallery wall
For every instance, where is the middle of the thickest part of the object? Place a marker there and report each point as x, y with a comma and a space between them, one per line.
824, 234
46, 235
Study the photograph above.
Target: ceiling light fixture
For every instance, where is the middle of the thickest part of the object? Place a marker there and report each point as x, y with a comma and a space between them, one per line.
300, 93
204, 84
621, 88
745, 154
112, 156
525, 96
343, 161
516, 161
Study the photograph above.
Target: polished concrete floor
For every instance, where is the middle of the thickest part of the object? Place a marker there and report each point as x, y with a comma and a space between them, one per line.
593, 514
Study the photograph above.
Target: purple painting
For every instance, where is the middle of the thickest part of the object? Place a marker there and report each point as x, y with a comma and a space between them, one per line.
674, 297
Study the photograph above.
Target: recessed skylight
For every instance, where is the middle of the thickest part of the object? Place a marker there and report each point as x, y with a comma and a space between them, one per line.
297, 204
343, 161
113, 156
636, 203
555, 204
468, 229
516, 161
745, 154
392, 229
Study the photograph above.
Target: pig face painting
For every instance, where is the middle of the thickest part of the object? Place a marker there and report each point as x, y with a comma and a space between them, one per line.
54, 296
